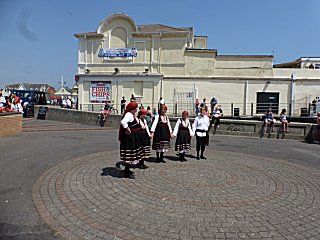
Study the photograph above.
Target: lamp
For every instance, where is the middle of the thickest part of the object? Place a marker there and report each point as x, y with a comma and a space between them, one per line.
146, 70
87, 70
116, 70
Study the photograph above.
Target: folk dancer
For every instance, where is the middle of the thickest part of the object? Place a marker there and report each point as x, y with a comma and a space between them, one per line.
161, 132
145, 137
200, 127
183, 132
131, 149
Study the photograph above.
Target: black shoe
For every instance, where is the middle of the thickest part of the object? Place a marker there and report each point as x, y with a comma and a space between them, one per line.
197, 158
162, 161
203, 157
143, 166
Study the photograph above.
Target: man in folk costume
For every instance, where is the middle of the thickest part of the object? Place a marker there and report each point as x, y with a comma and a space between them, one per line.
161, 132
200, 127
183, 132
131, 149
145, 137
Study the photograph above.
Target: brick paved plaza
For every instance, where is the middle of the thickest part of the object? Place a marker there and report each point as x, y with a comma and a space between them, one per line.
235, 194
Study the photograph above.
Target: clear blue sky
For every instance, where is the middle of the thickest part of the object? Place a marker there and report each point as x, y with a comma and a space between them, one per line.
37, 43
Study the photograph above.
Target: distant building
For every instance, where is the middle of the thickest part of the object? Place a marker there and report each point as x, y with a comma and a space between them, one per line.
31, 86
151, 61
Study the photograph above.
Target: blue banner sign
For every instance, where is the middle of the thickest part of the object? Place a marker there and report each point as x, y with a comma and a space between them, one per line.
117, 52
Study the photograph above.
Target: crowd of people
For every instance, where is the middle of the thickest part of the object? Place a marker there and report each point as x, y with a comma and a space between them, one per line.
11, 103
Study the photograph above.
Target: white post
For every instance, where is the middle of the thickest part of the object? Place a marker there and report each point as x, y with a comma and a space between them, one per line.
293, 97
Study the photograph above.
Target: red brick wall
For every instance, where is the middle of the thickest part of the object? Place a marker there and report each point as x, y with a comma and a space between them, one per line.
10, 124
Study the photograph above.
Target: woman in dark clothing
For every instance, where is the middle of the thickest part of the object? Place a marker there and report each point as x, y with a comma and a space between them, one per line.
131, 149
161, 132
145, 137
183, 132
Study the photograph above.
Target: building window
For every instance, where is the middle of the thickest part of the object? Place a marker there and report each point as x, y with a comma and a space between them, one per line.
266, 100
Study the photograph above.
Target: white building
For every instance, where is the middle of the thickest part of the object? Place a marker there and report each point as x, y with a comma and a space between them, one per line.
122, 58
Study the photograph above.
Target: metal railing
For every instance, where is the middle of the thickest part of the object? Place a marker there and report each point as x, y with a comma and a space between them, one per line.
229, 109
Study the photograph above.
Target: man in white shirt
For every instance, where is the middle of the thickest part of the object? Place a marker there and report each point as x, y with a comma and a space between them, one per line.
200, 127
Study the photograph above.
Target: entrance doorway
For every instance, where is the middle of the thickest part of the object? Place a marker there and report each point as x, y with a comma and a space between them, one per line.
266, 100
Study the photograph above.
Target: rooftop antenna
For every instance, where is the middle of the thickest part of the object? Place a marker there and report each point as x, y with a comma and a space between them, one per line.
62, 82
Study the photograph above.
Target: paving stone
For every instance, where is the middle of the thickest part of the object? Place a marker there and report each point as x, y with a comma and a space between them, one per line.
230, 196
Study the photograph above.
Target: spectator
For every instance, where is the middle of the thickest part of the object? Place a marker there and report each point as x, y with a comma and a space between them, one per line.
155, 112
132, 99
213, 103
269, 118
2, 100
16, 106
161, 102
197, 106
203, 104
283, 120
68, 103
123, 104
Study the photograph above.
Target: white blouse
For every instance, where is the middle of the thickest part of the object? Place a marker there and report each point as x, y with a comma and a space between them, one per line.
155, 122
185, 124
128, 117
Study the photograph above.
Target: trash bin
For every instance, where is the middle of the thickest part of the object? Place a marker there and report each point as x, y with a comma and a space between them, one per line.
236, 112
304, 112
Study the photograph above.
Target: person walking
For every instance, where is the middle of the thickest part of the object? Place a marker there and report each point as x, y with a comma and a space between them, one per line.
200, 127
183, 132
131, 149
161, 133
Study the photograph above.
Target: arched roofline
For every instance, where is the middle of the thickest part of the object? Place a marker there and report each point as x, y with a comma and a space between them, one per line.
114, 16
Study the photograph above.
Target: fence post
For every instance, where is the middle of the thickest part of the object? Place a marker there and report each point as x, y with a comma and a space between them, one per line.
290, 113
251, 109
92, 107
176, 109
231, 109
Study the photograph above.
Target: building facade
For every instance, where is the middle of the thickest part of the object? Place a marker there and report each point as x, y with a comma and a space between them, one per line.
151, 61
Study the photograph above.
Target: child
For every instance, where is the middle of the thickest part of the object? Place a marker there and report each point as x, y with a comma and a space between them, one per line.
145, 138
283, 120
183, 132
131, 149
161, 133
268, 117
200, 127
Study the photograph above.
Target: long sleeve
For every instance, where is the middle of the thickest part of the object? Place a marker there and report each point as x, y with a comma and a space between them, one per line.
154, 124
190, 128
176, 128
127, 118
195, 124
169, 125
147, 128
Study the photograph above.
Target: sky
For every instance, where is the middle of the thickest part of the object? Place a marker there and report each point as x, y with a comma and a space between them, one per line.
37, 43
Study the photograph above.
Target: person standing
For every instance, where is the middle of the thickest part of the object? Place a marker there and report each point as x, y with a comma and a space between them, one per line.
183, 132
161, 132
317, 139
197, 107
200, 127
123, 104
145, 137
131, 149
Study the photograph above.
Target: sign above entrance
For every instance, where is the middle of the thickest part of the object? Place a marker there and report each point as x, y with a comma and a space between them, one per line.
117, 52
100, 91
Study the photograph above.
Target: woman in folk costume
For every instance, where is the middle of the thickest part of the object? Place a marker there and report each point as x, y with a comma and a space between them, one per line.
200, 127
145, 137
183, 132
131, 149
161, 132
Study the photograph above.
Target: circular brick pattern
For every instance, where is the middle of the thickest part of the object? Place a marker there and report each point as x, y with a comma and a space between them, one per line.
228, 196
